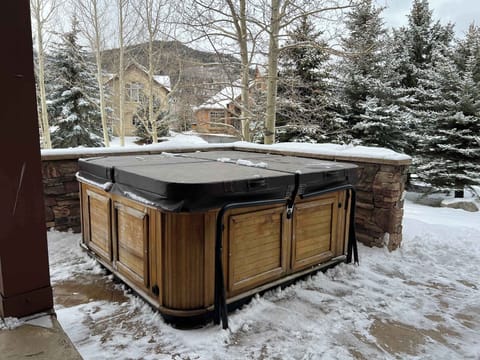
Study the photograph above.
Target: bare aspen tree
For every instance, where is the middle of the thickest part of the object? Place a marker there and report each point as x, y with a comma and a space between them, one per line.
92, 15
43, 11
283, 13
122, 7
154, 18
229, 19
248, 21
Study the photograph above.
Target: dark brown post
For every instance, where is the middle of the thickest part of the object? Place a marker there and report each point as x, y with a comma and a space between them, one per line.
24, 277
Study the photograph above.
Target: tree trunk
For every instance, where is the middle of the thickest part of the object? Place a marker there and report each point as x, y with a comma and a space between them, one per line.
98, 58
245, 95
121, 73
47, 143
151, 115
273, 50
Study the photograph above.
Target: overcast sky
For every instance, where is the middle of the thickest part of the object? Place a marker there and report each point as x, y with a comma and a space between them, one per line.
460, 12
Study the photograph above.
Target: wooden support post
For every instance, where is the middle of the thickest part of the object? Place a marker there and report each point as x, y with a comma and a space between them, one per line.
24, 276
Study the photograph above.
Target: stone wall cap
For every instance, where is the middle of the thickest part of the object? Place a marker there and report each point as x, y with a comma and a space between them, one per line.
333, 152
75, 153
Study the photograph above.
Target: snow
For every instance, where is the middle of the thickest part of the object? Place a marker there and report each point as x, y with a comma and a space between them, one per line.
163, 80
243, 162
129, 141
107, 186
40, 319
334, 150
10, 323
175, 142
184, 141
421, 301
224, 97
138, 198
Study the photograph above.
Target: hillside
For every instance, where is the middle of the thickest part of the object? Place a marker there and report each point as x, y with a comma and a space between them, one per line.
189, 67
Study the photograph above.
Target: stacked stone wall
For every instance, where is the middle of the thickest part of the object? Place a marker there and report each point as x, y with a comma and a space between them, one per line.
379, 210
61, 189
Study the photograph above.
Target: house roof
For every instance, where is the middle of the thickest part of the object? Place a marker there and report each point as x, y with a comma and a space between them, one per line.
162, 80
224, 97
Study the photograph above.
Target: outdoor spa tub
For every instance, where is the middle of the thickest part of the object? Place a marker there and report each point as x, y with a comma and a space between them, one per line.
196, 234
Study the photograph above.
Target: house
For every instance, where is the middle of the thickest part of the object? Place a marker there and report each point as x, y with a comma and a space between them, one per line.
221, 108
224, 106
136, 86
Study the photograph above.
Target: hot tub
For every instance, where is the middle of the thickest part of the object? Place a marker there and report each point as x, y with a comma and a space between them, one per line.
198, 233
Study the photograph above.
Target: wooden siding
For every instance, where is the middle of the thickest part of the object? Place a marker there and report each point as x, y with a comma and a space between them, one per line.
169, 257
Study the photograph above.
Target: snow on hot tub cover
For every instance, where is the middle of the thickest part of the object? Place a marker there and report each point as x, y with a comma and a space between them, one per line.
207, 180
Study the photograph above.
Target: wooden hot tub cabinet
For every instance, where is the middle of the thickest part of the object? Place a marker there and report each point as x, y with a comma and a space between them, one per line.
169, 256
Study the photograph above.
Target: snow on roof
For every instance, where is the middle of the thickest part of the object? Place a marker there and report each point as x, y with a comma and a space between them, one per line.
163, 80
108, 77
224, 97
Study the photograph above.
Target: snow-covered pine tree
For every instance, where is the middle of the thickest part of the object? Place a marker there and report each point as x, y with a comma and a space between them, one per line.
143, 125
73, 95
304, 91
368, 83
451, 146
420, 40
468, 48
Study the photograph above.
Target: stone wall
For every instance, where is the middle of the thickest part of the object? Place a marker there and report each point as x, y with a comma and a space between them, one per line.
62, 202
379, 210
378, 214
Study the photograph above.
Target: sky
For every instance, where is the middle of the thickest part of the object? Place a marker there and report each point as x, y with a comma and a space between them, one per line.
460, 12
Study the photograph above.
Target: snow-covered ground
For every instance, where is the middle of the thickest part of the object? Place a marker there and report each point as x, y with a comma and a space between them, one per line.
419, 302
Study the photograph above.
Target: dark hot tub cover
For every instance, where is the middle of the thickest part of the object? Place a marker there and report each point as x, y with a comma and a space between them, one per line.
207, 180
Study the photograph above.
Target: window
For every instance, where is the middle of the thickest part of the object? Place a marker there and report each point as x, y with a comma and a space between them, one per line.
217, 116
133, 92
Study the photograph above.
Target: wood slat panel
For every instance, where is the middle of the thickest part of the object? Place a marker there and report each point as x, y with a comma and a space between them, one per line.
256, 248
183, 258
245, 243
132, 241
209, 256
247, 271
256, 259
315, 240
99, 224
314, 231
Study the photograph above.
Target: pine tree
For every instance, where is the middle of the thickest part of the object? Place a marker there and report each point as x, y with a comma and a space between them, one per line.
73, 94
451, 147
304, 92
422, 41
369, 83
469, 48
